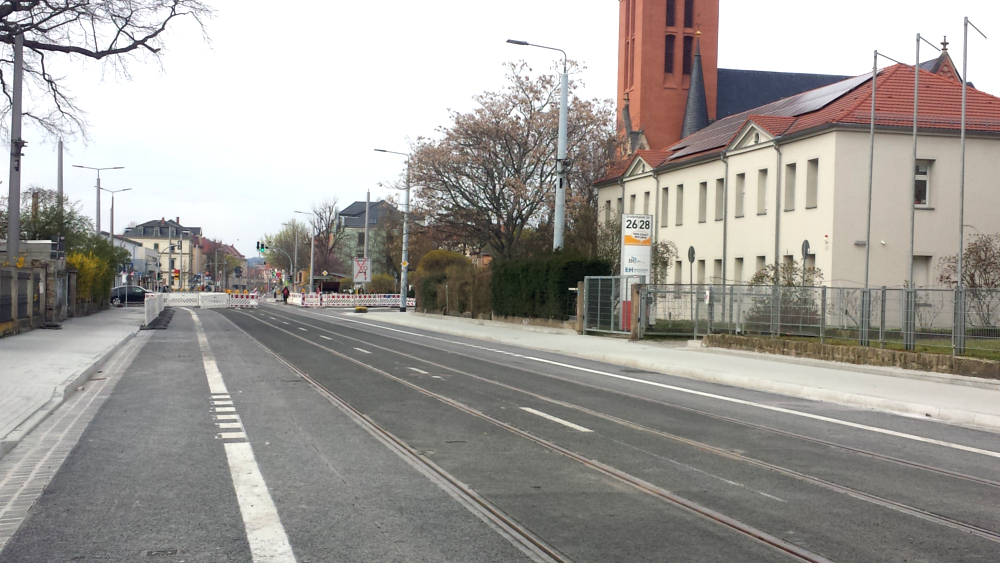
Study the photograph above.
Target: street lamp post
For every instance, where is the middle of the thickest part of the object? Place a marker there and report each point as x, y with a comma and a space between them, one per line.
97, 213
403, 282
111, 235
312, 253
557, 237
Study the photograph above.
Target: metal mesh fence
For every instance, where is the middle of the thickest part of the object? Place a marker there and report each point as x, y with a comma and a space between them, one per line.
963, 322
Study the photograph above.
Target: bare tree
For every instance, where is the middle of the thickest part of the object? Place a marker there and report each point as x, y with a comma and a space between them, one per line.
117, 32
490, 177
325, 222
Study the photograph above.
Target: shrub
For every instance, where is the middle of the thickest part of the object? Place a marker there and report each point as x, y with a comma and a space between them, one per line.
90, 277
382, 283
540, 286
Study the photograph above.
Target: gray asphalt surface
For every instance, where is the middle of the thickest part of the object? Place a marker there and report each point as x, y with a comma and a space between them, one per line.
150, 474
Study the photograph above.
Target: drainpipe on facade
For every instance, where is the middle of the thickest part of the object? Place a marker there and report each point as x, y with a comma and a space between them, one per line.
776, 293
656, 217
725, 220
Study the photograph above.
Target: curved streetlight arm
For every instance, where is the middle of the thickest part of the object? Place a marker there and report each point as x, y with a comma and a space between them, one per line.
526, 44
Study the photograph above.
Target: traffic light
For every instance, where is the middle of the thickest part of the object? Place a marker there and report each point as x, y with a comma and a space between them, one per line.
57, 248
261, 247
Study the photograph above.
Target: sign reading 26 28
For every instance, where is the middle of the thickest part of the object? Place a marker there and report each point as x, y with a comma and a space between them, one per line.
643, 224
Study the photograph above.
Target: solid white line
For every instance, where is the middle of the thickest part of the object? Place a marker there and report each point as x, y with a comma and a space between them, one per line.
267, 538
559, 420
711, 395
325, 337
362, 350
419, 371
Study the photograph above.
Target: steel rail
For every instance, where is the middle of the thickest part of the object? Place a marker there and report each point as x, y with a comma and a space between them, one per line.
820, 441
523, 538
843, 489
644, 486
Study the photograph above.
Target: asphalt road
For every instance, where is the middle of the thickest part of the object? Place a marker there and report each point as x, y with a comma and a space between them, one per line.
378, 443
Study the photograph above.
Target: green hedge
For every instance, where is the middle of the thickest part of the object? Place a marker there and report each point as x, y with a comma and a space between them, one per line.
539, 286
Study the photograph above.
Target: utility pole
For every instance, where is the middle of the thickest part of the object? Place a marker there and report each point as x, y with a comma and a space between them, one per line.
16, 143
59, 190
368, 200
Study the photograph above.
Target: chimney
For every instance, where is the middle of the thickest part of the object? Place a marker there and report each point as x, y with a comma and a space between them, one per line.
178, 220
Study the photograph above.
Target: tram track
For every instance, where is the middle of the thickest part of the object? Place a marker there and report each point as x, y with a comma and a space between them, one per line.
522, 534
926, 515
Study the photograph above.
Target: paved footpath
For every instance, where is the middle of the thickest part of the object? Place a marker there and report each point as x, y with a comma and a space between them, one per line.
961, 400
41, 368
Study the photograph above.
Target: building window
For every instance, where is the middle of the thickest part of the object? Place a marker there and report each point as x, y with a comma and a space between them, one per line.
680, 206
738, 271
678, 277
665, 204
631, 204
762, 192
645, 203
156, 246
720, 199
671, 13
173, 265
717, 271
922, 189
812, 183
702, 201
688, 46
689, 14
790, 187
361, 239
741, 180
607, 212
701, 271
668, 54
621, 208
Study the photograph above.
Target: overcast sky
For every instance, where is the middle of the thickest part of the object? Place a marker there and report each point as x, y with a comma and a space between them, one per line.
284, 106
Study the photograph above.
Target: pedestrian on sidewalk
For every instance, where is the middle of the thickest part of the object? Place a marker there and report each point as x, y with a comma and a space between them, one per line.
284, 295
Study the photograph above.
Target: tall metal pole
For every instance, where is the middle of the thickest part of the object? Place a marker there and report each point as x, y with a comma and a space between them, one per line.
97, 214
961, 177
14, 191
403, 278
111, 233
871, 172
312, 255
170, 258
295, 251
557, 237
59, 189
913, 169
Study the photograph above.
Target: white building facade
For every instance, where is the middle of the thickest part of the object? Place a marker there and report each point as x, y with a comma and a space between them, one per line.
749, 189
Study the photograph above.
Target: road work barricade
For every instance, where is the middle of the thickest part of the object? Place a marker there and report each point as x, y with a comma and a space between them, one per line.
365, 300
154, 306
243, 301
213, 300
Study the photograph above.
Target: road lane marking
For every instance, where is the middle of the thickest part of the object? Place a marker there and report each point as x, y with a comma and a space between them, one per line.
419, 371
221, 403
437, 377
265, 534
229, 425
302, 329
362, 350
325, 337
285, 322
782, 410
555, 419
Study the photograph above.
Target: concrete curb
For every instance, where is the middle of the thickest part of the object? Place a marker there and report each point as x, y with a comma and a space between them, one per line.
500, 324
950, 415
59, 396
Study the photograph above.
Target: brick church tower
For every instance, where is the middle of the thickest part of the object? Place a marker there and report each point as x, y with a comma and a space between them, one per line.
657, 41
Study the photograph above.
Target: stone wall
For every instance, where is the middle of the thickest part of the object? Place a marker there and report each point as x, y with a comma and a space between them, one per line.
859, 355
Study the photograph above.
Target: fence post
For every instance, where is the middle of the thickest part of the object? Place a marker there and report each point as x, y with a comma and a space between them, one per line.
711, 309
775, 311
881, 322
581, 309
697, 308
958, 334
732, 320
866, 316
910, 319
822, 316
634, 315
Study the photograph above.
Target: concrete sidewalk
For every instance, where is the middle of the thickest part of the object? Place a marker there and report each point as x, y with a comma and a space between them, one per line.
39, 369
936, 396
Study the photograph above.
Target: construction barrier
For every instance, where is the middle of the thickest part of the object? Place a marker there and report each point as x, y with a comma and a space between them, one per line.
365, 300
213, 300
312, 300
154, 304
181, 299
243, 301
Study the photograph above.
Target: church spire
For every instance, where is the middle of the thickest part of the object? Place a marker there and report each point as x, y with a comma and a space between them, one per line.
696, 112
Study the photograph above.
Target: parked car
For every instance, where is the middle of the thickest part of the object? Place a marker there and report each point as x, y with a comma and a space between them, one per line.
126, 294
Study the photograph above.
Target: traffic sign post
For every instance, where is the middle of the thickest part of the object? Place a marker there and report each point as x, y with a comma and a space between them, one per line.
362, 270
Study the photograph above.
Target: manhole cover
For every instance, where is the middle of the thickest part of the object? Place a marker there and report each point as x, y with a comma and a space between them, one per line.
160, 553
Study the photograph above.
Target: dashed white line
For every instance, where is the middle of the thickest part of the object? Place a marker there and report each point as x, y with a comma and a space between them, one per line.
362, 350
303, 330
265, 534
325, 337
771, 408
555, 419
419, 371
286, 322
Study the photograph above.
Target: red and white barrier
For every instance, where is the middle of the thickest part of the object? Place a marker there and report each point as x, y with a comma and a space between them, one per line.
244, 301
